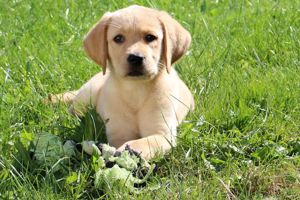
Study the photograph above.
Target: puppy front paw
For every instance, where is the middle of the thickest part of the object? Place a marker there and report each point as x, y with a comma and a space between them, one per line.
134, 147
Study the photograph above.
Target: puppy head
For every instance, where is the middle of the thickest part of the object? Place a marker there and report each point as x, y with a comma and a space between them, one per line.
136, 42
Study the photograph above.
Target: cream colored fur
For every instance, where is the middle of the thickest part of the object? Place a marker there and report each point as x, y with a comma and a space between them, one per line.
140, 111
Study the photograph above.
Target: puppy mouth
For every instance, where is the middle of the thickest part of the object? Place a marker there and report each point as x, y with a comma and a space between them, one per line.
135, 73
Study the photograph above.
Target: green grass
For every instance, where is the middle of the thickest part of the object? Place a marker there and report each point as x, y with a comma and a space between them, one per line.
243, 139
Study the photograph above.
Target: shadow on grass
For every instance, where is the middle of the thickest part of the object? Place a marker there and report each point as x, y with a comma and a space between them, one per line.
91, 127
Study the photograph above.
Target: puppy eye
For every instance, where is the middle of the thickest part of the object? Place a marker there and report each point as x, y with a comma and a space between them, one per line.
119, 39
149, 38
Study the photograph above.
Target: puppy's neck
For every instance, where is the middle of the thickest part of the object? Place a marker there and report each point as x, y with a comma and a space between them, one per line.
133, 93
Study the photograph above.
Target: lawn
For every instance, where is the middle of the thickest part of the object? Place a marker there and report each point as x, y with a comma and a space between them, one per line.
241, 142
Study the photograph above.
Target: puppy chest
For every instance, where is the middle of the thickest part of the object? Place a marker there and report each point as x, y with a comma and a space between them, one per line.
120, 122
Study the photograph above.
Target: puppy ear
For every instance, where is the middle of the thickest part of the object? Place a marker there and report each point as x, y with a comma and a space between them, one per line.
95, 42
176, 40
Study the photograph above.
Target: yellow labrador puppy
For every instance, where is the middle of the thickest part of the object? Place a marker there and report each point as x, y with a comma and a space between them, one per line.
139, 95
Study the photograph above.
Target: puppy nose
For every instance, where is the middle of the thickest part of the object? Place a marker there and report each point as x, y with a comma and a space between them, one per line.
135, 60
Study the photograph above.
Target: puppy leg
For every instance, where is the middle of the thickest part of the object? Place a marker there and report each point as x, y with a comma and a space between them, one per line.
80, 99
87, 95
149, 146
66, 97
